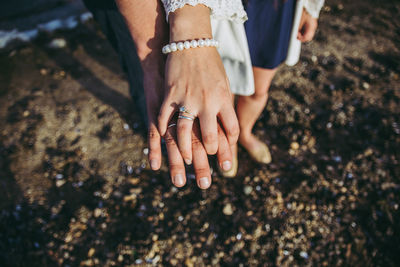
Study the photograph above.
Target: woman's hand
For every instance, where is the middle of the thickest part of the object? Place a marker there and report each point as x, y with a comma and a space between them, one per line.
307, 28
196, 79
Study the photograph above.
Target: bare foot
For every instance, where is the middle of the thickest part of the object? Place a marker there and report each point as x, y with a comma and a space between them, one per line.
257, 149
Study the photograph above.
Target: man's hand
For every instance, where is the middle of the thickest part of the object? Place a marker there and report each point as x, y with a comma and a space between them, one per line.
308, 26
200, 159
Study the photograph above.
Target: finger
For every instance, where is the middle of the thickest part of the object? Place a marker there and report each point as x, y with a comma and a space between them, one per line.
175, 161
230, 123
154, 140
209, 133
300, 36
308, 35
200, 160
167, 111
184, 134
224, 153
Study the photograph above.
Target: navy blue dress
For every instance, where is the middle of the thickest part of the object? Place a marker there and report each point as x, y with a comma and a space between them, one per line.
268, 31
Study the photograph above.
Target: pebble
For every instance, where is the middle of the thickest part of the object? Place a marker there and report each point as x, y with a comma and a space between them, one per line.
58, 43
228, 209
247, 190
60, 183
126, 126
314, 58
91, 252
97, 212
304, 254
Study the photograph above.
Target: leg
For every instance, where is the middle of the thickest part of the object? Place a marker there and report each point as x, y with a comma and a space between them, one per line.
249, 108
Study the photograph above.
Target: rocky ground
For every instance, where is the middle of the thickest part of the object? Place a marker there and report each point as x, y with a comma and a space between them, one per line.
76, 189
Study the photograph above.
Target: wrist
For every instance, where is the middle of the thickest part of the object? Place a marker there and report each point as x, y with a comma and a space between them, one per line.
189, 23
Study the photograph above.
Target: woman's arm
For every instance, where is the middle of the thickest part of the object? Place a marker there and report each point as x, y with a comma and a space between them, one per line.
196, 78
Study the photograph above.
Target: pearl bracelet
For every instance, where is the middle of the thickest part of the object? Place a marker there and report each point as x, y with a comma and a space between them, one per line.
172, 47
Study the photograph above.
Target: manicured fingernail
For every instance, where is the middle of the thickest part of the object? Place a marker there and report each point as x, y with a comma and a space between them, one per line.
178, 180
188, 161
226, 165
204, 182
154, 164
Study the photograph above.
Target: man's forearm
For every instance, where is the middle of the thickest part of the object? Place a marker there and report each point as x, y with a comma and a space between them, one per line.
148, 27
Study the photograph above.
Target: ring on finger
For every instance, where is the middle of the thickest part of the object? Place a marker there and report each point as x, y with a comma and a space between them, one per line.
185, 117
171, 125
184, 111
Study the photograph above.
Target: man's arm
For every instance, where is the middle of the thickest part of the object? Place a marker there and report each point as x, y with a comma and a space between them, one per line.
149, 31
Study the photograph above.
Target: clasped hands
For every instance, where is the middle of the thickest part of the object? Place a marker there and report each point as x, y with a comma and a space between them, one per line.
194, 79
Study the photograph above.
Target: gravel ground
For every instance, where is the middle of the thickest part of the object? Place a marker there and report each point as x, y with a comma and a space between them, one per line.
76, 189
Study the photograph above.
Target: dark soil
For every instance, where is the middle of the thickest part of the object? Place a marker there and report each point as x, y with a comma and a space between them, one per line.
76, 188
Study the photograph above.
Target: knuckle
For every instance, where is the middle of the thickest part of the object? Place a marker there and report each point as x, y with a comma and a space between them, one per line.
201, 170
185, 152
169, 140
233, 132
153, 134
175, 167
210, 138
196, 143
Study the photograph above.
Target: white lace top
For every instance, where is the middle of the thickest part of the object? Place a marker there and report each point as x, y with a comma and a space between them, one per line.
231, 9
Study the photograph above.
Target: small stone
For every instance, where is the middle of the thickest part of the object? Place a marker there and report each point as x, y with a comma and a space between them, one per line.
120, 258
228, 209
146, 151
60, 183
97, 212
304, 254
154, 238
91, 252
126, 126
285, 252
247, 190
26, 113
365, 85
239, 236
43, 72
58, 43
314, 59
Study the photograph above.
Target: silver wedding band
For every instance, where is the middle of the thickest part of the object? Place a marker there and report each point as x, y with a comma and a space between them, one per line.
185, 114
185, 117
172, 125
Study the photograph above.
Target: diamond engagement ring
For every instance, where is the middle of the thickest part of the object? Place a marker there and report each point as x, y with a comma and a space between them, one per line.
184, 113
182, 109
